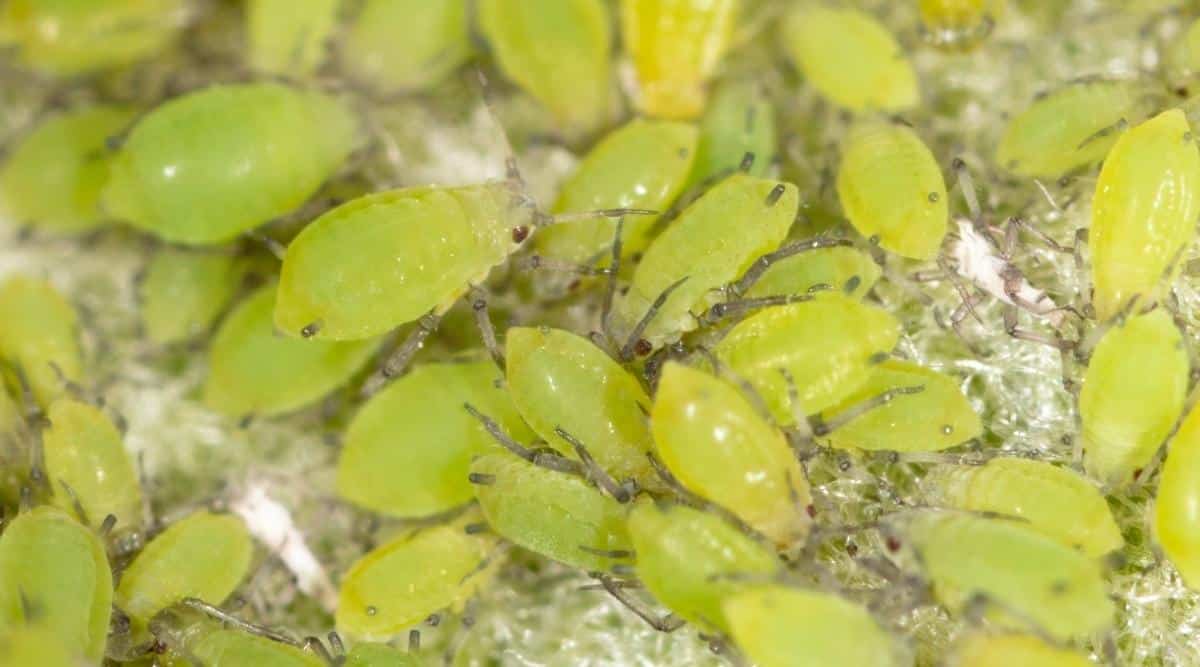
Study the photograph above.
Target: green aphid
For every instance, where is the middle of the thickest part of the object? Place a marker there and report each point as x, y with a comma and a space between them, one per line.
738, 123
210, 165
227, 647
380, 655
289, 37
15, 443
184, 292
1133, 391
255, 371
1177, 501
39, 337
838, 269
980, 650
1183, 54
34, 645
396, 46
408, 450
957, 24
53, 176
54, 575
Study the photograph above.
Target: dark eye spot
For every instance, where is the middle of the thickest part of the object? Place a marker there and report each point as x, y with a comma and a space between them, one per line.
520, 233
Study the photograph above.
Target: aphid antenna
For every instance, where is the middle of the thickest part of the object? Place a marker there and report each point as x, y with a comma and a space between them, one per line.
554, 462
483, 321
668, 623
537, 262
399, 359
196, 604
414, 641
966, 186
594, 473
615, 554
635, 341
740, 307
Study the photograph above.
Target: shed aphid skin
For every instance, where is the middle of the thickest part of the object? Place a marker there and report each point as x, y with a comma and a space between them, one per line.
40, 337
255, 371
850, 57
408, 450
54, 574
891, 189
34, 645
675, 47
837, 269
397, 46
1177, 503
1133, 392
956, 24
982, 650
183, 292
289, 37
211, 165
738, 122
1144, 212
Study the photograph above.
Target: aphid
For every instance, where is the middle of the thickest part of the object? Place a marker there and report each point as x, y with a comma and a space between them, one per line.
1071, 127
87, 465
1055, 501
1177, 503
1144, 211
837, 269
34, 645
400, 583
1133, 391
825, 345
1026, 578
54, 574
289, 37
787, 627
956, 23
210, 165
380, 655
228, 647
982, 650
14, 449
408, 450
675, 47
642, 164
738, 122
715, 443
40, 337
1183, 54
405, 45
892, 190
184, 292
53, 177
850, 57
560, 51
254, 371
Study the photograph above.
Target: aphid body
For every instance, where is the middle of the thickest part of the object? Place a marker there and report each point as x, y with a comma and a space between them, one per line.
184, 292
228, 647
289, 37
404, 45
982, 650
40, 337
738, 121
380, 655
34, 645
847, 270
1177, 503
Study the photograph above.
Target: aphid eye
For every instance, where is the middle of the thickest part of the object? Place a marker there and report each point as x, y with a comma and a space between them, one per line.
643, 347
520, 233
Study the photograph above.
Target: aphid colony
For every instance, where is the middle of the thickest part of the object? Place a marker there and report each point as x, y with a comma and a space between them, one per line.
702, 340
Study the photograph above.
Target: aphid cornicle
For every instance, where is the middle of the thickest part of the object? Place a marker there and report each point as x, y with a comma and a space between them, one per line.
982, 650
1177, 503
40, 337
714, 442
1144, 211
183, 292
289, 37
210, 165
1133, 391
404, 45
738, 121
847, 270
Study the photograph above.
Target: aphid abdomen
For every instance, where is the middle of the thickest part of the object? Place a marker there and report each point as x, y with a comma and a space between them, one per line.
739, 121
39, 337
837, 269
405, 45
380, 655
289, 37
184, 292
228, 647
982, 650
1177, 504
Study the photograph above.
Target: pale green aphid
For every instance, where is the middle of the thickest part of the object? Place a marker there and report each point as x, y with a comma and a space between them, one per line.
936, 417
692, 561
838, 269
404, 45
982, 650
1184, 53
52, 178
22, 646
402, 582
555, 514
850, 57
255, 371
1144, 211
86, 462
210, 165
738, 121
289, 37
184, 292
1133, 391
14, 454
227, 647
642, 164
39, 337
1071, 127
202, 556
717, 445
891, 189
1177, 503
54, 575
1055, 501
787, 627
826, 345
1025, 578
408, 450
560, 51
380, 655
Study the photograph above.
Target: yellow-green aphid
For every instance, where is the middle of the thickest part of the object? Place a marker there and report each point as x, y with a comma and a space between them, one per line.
711, 244
289, 37
955, 23
1071, 127
401, 583
39, 337
1144, 211
24, 646
675, 47
892, 190
408, 450
255, 371
1055, 501
380, 655
692, 561
86, 462
68, 37
936, 417
715, 443
555, 514
548, 370
52, 178
982, 650
14, 449
1177, 503
1133, 391
183, 292
405, 45
559, 51
210, 165
850, 57
826, 345
738, 121
54, 575
1025, 578
1183, 54
642, 164
787, 627
228, 647
203, 556
838, 269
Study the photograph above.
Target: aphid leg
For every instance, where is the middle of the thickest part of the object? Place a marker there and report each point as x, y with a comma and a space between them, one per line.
966, 186
223, 616
1120, 126
313, 645
760, 265
274, 247
690, 498
549, 461
668, 623
483, 321
539, 262
722, 371
634, 342
414, 641
720, 311
800, 436
823, 427
594, 472
107, 525
398, 361
615, 554
610, 288
562, 218
1011, 327
335, 642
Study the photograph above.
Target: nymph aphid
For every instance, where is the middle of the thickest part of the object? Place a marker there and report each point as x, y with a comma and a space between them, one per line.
398, 46
39, 338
